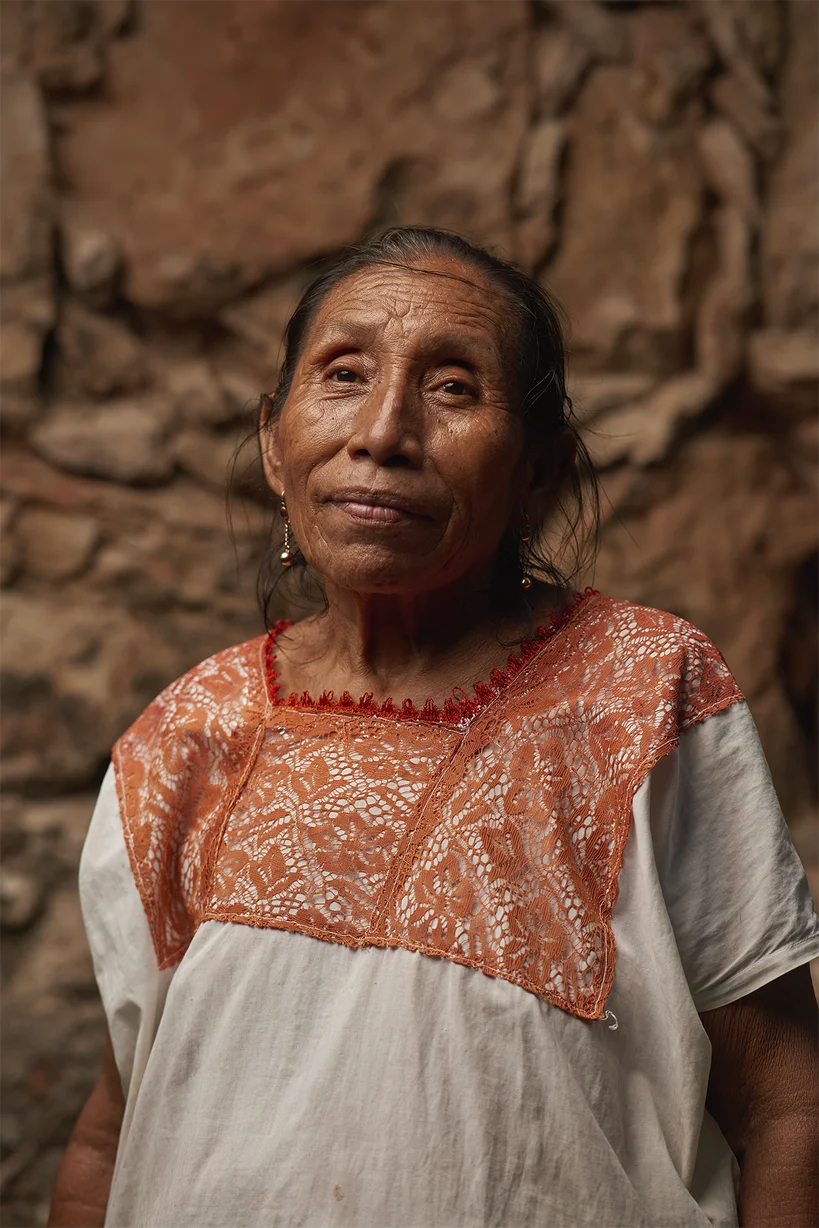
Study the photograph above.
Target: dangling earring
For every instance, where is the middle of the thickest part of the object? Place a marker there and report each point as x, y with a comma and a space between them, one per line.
287, 555
525, 538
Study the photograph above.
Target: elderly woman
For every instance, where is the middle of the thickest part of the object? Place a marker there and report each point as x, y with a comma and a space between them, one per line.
508, 940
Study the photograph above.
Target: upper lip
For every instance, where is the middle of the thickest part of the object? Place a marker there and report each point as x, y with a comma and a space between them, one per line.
377, 498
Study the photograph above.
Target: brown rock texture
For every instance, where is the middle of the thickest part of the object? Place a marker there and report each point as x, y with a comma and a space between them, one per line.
411, 96
173, 176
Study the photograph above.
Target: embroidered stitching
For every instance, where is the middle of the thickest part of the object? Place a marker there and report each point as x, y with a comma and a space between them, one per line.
497, 846
456, 711
176, 767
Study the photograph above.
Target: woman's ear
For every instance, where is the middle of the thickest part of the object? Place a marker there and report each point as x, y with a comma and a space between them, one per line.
550, 469
269, 447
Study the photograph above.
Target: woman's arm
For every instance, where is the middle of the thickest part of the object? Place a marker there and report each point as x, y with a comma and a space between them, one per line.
764, 1095
83, 1182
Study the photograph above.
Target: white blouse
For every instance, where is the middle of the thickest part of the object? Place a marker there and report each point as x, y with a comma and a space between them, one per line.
274, 1079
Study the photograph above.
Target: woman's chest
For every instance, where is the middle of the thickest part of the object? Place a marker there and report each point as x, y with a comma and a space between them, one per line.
486, 846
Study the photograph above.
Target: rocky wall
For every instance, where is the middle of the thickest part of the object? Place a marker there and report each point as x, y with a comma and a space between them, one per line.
174, 173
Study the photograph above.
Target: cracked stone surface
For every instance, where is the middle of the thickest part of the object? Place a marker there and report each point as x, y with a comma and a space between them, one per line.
174, 174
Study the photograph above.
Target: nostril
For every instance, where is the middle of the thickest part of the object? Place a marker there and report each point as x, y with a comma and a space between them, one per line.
396, 460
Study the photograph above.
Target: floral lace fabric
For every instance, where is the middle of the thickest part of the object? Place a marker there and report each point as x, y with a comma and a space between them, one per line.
493, 840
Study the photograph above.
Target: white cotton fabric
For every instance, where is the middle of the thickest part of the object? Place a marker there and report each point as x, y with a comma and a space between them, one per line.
277, 1080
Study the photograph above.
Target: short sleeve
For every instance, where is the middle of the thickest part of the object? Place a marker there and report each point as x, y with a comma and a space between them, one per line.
130, 983
735, 889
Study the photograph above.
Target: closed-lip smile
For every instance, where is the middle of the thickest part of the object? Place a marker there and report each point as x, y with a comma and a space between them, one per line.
375, 506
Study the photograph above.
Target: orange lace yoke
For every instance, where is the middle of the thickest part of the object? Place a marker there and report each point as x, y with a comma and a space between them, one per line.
490, 835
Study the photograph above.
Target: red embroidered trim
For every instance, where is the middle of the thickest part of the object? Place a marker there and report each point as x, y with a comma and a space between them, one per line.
497, 845
455, 711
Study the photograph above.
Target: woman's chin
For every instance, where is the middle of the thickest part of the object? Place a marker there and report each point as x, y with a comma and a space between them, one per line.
376, 571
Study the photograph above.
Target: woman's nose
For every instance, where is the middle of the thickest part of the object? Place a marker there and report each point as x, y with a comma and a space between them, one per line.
387, 426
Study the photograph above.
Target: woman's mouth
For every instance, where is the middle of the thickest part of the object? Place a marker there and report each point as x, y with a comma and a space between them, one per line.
372, 513
375, 508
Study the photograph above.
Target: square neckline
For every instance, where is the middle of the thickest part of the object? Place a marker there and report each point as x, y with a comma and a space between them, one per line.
457, 711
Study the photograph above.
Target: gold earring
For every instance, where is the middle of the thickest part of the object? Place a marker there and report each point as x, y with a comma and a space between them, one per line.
287, 555
525, 538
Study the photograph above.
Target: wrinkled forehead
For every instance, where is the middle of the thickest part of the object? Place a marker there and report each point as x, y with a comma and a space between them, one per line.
416, 304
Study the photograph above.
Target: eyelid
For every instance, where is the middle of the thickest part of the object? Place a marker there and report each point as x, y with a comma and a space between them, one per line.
466, 369
338, 362
336, 353
464, 377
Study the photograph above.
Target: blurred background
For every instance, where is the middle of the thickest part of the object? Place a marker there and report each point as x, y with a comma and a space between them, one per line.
175, 171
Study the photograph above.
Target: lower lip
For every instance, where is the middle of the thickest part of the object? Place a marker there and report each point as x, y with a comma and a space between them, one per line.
373, 513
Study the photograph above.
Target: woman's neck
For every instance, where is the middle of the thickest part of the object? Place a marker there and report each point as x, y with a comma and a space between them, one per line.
419, 648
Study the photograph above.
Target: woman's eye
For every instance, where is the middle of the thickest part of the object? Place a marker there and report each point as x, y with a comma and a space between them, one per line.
455, 387
344, 375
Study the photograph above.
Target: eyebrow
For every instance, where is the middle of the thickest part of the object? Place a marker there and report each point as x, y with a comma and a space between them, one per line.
354, 333
338, 331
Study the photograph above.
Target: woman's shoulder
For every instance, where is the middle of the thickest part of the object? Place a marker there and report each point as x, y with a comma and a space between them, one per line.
628, 621
174, 768
622, 654
221, 689
230, 671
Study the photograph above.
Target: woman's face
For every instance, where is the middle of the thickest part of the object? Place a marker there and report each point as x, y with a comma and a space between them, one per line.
399, 448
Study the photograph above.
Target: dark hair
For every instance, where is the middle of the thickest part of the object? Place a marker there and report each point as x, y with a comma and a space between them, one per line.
536, 335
